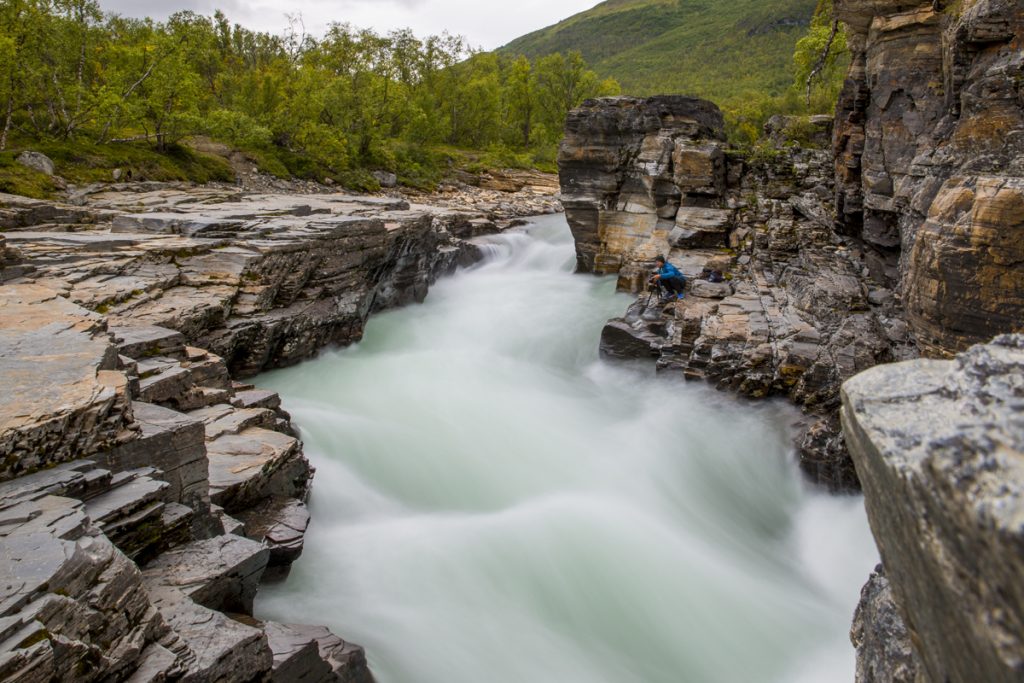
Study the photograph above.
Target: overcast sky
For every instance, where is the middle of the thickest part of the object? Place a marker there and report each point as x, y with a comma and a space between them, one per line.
486, 23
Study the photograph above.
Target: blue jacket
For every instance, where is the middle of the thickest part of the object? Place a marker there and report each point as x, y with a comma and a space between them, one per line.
668, 271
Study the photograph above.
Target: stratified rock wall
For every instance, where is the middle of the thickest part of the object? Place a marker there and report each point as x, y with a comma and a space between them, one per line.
802, 310
633, 170
126, 441
939, 447
930, 153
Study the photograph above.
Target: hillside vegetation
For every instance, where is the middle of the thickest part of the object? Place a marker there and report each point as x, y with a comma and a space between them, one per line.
751, 57
98, 91
721, 49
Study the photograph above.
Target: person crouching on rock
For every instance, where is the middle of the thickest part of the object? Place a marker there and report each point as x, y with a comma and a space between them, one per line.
672, 282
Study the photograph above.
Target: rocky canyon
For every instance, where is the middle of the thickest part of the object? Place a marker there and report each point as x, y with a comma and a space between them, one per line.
893, 232
873, 276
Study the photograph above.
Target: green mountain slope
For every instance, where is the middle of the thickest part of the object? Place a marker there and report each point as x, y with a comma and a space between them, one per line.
724, 50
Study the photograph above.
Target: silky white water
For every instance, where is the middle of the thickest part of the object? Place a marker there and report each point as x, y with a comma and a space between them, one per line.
493, 504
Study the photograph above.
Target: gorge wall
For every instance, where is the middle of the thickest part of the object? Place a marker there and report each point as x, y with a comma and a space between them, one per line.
894, 231
930, 159
802, 311
145, 491
902, 234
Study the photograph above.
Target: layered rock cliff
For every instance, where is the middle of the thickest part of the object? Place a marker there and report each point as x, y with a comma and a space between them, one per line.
939, 447
801, 311
145, 492
930, 159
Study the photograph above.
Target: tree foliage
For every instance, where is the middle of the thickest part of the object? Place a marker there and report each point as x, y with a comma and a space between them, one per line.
820, 61
348, 101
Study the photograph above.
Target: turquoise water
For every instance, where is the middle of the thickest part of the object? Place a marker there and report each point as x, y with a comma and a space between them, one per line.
494, 504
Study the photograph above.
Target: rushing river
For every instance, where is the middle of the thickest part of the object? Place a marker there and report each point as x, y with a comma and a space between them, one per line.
493, 504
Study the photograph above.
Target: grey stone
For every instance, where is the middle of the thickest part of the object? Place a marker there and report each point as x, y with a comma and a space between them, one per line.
386, 179
248, 467
938, 446
296, 655
37, 161
220, 573
884, 650
139, 342
211, 646
710, 290
280, 524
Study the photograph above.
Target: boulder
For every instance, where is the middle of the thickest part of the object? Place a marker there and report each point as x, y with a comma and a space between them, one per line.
386, 178
37, 161
939, 447
710, 290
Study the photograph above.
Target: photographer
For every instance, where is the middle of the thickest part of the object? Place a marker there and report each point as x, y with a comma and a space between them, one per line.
671, 281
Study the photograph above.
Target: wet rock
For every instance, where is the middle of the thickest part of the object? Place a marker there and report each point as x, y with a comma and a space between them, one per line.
929, 140
347, 662
221, 573
884, 651
938, 446
626, 341
296, 655
280, 524
63, 397
248, 467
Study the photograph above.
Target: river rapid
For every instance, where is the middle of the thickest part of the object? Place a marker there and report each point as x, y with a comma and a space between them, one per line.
494, 504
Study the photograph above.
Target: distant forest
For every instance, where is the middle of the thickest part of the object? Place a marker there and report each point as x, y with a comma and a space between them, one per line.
96, 91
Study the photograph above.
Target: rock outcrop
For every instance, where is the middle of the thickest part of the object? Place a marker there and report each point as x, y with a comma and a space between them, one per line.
939, 446
262, 281
145, 491
124, 447
801, 310
634, 170
879, 634
930, 159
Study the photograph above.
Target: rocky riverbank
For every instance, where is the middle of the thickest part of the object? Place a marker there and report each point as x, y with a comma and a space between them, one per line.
894, 235
939, 446
145, 490
801, 310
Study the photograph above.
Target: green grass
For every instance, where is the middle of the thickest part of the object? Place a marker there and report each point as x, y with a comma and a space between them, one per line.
81, 162
17, 179
723, 50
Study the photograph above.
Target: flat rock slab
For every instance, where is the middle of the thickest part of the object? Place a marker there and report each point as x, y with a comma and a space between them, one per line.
148, 341
280, 524
257, 398
63, 397
242, 465
221, 573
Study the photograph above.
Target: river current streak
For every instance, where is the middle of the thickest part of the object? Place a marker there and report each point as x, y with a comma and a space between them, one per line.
494, 504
